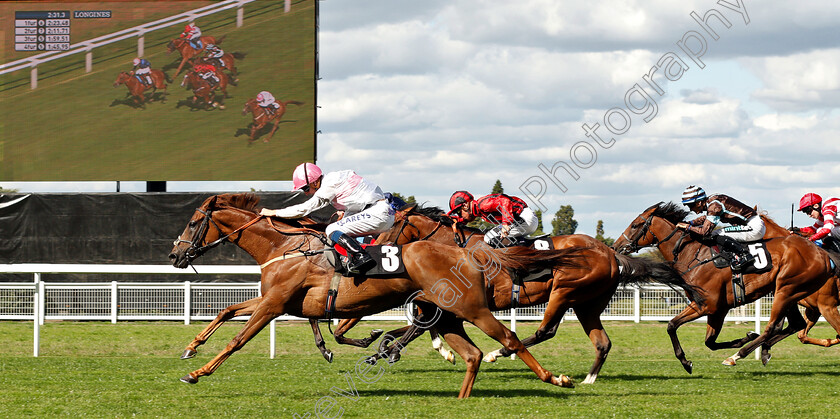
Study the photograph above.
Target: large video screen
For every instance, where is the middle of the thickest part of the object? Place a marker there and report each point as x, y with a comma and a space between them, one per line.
79, 111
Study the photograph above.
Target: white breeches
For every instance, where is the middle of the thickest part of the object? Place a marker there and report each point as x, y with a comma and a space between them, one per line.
374, 220
524, 225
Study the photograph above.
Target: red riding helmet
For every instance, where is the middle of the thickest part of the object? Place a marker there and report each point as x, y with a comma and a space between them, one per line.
188, 27
809, 199
458, 199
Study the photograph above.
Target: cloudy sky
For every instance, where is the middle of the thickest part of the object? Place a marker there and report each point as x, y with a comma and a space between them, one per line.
429, 97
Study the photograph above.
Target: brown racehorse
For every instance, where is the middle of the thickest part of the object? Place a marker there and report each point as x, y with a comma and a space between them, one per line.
824, 301
262, 116
203, 89
187, 51
586, 288
299, 285
226, 62
799, 269
137, 89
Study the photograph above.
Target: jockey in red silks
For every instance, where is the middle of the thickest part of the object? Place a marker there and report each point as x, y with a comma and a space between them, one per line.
366, 209
825, 231
511, 215
207, 72
193, 34
745, 223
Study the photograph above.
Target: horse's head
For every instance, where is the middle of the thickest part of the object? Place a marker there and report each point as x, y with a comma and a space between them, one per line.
121, 78
174, 44
249, 106
647, 229
206, 228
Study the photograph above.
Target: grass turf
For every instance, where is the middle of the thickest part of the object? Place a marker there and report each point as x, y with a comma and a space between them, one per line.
132, 369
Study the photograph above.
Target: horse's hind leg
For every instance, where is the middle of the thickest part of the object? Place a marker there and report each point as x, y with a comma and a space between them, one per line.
590, 320
345, 325
274, 128
319, 340
491, 326
690, 313
241, 309
265, 311
453, 332
827, 306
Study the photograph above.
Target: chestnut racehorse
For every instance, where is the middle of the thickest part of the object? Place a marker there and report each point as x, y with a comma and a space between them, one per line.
202, 89
187, 51
137, 89
824, 301
299, 285
262, 116
798, 270
586, 288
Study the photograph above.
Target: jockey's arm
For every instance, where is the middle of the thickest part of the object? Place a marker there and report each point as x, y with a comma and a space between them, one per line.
296, 211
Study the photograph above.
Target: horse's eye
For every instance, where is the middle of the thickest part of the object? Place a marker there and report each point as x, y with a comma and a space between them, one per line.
193, 223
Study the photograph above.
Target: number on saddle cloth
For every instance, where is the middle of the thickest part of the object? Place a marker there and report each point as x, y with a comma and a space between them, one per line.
758, 249
388, 260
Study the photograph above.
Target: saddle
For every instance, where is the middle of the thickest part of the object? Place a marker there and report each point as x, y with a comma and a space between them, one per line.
763, 263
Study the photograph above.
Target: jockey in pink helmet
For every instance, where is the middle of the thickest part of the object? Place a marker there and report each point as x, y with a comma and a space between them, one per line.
366, 209
266, 100
825, 228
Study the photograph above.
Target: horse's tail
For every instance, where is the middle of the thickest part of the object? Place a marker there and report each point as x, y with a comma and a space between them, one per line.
293, 102
238, 55
221, 38
640, 270
524, 258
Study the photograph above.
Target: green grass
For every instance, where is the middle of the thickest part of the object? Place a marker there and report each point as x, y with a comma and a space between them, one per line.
132, 369
77, 126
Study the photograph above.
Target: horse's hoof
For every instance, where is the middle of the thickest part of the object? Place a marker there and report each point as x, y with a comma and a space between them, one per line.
752, 335
375, 333
449, 357
328, 356
729, 362
562, 381
189, 353
689, 366
766, 359
189, 379
491, 357
371, 360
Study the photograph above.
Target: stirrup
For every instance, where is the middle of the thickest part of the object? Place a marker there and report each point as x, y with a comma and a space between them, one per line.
360, 263
741, 262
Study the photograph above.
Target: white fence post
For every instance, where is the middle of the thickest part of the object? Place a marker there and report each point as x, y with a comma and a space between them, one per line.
637, 305
33, 76
36, 340
187, 302
757, 321
240, 15
288, 7
89, 60
272, 339
513, 319
42, 297
141, 44
114, 301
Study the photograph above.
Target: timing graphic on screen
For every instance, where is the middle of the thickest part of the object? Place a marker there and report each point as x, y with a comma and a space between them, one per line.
164, 91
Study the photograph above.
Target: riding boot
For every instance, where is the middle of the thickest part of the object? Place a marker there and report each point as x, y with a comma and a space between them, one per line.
741, 254
149, 81
831, 244
360, 261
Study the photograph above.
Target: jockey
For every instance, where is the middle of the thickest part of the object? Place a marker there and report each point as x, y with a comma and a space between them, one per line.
143, 70
364, 207
266, 101
193, 34
213, 52
825, 228
511, 215
207, 72
745, 223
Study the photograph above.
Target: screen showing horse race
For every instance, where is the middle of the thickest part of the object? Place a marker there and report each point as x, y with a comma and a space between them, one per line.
157, 90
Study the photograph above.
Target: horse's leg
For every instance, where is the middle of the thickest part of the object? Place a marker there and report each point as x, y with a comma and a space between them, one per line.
554, 312
484, 320
437, 344
590, 320
266, 310
690, 313
274, 128
714, 324
812, 314
319, 340
781, 302
346, 324
795, 324
827, 306
453, 332
241, 309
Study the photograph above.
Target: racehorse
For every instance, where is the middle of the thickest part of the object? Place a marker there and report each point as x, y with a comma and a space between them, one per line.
587, 288
824, 301
798, 269
187, 51
261, 116
137, 89
299, 285
204, 89
226, 61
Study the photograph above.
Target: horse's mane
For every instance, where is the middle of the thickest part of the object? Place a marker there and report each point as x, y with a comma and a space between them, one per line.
244, 201
670, 211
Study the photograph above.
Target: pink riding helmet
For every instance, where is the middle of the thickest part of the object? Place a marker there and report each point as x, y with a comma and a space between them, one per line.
305, 174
